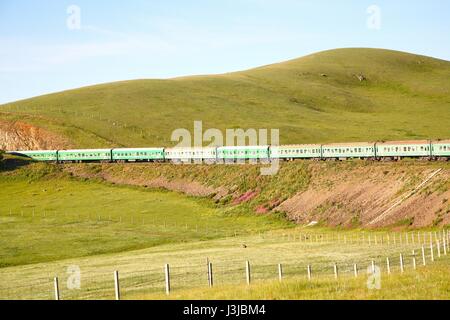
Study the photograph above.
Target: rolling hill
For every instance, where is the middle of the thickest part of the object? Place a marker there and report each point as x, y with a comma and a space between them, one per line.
338, 95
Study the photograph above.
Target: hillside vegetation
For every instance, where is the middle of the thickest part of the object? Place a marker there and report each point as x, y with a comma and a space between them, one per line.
337, 95
46, 215
345, 194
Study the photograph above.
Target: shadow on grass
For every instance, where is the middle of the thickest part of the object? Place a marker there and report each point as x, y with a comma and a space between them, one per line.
11, 163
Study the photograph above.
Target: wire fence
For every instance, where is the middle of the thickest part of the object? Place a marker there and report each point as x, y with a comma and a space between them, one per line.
135, 284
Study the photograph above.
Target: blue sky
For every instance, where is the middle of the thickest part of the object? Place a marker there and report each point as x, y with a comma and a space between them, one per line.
40, 52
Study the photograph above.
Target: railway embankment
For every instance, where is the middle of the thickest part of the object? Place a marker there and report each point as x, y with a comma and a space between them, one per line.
406, 194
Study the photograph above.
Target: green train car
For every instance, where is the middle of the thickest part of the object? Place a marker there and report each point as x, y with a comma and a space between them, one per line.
243, 153
191, 154
291, 152
399, 149
38, 155
85, 155
441, 148
349, 150
138, 154
384, 150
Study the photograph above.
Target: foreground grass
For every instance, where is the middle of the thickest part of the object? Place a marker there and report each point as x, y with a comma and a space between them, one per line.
56, 217
142, 274
431, 282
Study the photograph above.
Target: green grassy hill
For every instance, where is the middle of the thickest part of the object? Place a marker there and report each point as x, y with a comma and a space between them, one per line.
317, 98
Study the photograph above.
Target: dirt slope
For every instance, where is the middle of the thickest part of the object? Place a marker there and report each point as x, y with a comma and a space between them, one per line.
360, 195
18, 135
350, 194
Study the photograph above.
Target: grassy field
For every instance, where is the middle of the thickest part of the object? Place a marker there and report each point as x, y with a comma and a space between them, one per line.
53, 223
45, 215
317, 98
142, 276
425, 283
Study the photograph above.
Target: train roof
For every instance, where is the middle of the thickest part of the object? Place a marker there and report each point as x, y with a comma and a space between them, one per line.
298, 146
403, 142
442, 141
190, 148
134, 149
84, 150
350, 144
243, 147
30, 151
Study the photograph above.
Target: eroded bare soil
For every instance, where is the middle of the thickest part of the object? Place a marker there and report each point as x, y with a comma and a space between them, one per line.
350, 194
17, 135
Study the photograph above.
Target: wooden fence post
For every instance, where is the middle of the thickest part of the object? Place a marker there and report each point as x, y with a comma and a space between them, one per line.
335, 271
167, 277
116, 284
414, 259
355, 270
280, 272
309, 272
247, 272
424, 261
388, 265
207, 269
444, 243
402, 269
438, 245
55, 283
431, 251
210, 275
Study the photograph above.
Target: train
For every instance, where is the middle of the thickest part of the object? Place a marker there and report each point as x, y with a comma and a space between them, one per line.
384, 150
